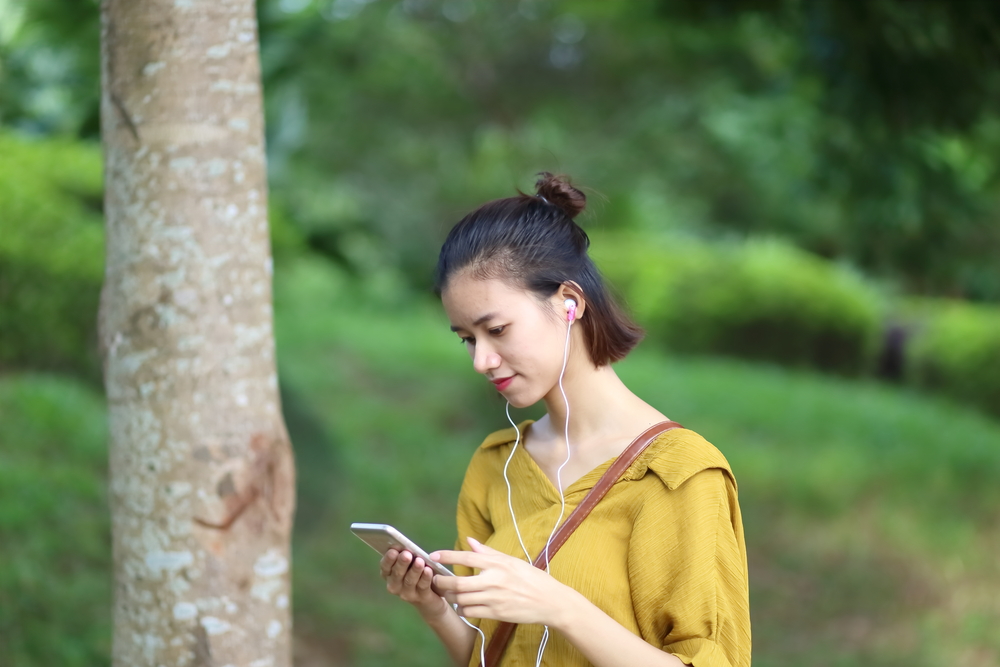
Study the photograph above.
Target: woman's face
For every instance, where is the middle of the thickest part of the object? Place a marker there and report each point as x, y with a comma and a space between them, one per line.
514, 338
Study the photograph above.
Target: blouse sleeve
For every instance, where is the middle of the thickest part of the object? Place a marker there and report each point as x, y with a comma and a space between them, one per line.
472, 515
687, 565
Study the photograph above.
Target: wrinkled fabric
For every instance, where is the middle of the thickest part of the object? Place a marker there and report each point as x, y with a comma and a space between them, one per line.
662, 554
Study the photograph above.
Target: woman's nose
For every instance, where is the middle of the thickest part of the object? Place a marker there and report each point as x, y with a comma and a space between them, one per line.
485, 359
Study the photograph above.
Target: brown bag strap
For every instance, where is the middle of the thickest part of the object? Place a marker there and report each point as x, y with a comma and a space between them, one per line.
504, 631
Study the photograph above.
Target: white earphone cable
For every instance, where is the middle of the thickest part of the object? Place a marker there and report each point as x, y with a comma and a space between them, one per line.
482, 637
562, 498
506, 480
510, 505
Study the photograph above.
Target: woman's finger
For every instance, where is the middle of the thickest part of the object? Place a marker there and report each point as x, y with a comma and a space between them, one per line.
480, 548
476, 611
402, 564
473, 599
387, 561
467, 558
426, 577
433, 584
451, 584
414, 573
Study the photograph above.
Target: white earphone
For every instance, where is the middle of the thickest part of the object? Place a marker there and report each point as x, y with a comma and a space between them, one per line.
570, 309
570, 318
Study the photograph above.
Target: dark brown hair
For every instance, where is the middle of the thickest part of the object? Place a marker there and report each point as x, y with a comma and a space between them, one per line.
532, 241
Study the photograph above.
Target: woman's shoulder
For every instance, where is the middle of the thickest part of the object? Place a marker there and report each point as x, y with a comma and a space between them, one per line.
676, 456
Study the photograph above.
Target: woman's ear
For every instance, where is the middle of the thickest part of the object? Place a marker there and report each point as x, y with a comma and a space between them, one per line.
569, 290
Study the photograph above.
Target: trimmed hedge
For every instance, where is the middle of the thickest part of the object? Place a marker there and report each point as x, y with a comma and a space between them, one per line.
955, 350
760, 300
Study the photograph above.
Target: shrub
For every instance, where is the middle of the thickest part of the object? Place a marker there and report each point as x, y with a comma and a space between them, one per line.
955, 350
760, 300
51, 254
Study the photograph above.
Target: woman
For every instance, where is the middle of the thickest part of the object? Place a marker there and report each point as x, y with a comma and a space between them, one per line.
656, 574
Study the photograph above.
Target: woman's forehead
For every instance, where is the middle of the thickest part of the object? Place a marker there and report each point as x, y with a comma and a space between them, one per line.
469, 298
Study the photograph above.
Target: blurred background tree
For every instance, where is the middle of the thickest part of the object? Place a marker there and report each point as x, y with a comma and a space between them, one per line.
811, 184
201, 470
862, 132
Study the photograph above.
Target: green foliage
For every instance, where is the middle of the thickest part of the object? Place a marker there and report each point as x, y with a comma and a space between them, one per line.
51, 254
759, 300
287, 240
753, 117
55, 542
50, 66
956, 351
823, 122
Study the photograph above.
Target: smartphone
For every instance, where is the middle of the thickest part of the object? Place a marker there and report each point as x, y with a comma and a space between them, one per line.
382, 537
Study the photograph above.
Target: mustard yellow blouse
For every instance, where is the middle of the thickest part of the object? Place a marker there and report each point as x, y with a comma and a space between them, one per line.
662, 553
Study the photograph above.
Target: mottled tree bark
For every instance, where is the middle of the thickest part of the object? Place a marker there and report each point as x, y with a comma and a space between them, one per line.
202, 481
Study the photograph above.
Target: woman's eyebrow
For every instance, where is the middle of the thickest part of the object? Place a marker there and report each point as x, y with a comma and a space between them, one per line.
480, 320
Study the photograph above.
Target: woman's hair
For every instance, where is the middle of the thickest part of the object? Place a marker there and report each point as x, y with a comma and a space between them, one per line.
532, 242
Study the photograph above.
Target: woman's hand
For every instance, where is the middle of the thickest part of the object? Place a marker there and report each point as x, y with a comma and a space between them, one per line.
410, 578
506, 588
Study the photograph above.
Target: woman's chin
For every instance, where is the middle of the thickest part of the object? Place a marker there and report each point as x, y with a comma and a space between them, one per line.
521, 401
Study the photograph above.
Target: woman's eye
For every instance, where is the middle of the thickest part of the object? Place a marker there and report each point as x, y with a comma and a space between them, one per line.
496, 331
467, 340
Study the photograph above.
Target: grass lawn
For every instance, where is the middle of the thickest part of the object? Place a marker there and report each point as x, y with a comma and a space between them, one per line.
871, 513
55, 531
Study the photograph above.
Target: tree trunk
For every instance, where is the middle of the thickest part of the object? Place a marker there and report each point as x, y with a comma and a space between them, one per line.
202, 479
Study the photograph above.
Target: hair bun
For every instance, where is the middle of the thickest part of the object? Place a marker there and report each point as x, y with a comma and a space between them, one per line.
558, 191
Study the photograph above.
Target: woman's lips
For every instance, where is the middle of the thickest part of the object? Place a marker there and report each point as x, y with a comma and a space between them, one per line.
502, 383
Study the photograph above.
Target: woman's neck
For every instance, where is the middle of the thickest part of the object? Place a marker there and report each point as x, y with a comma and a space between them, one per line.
600, 406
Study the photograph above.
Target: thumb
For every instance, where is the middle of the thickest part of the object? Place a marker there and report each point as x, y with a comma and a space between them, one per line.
480, 548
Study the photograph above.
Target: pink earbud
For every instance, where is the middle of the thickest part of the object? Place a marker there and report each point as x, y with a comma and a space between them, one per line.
570, 309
